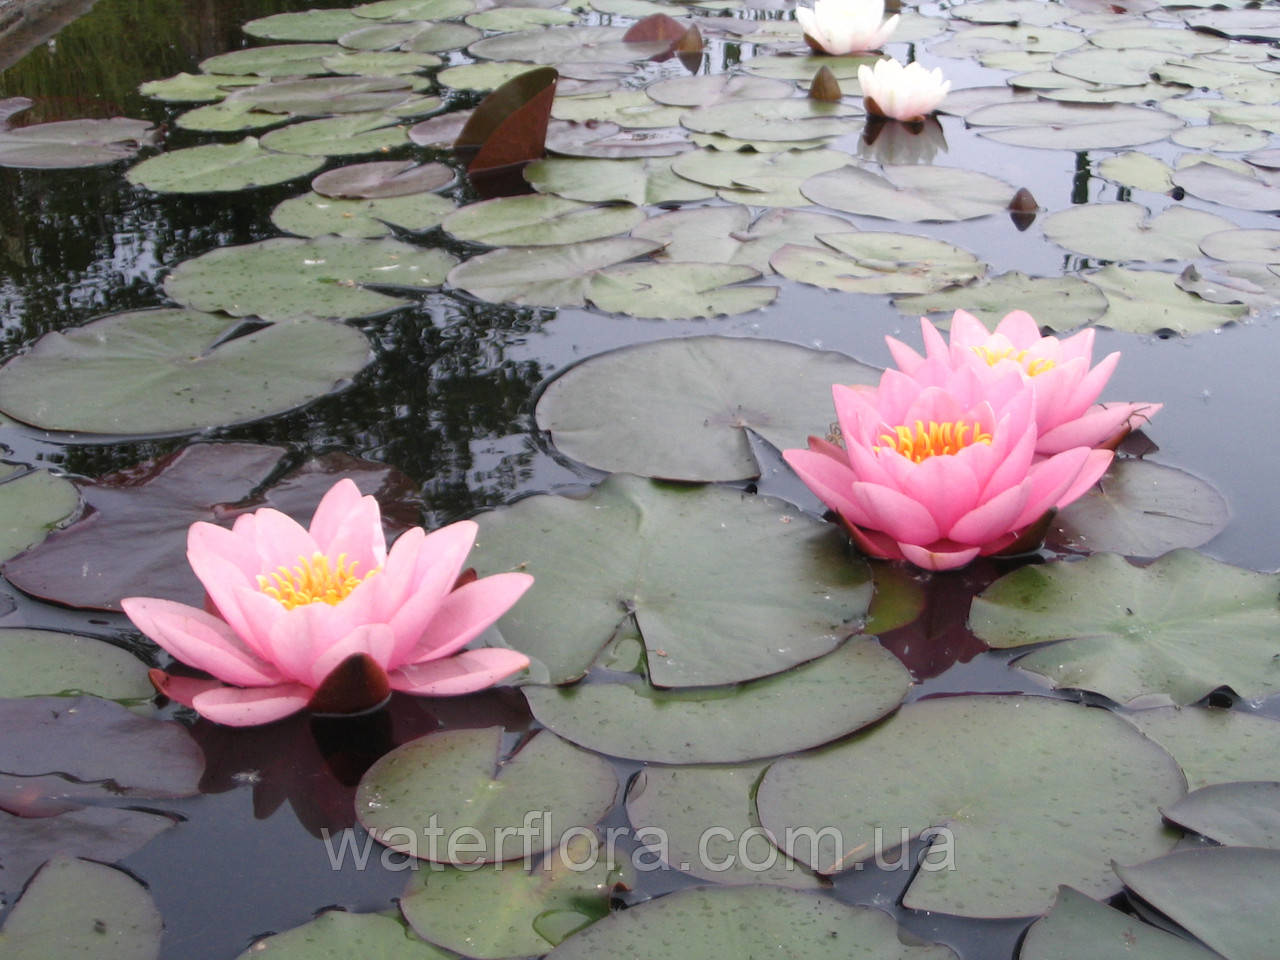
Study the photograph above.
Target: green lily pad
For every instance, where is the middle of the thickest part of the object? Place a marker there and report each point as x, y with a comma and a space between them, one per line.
1211, 182
44, 663
1254, 284
638, 181
340, 136
1141, 509
1213, 745
282, 60
220, 168
381, 63
1145, 93
194, 87
1229, 137
1120, 67
631, 109
608, 140
1144, 630
812, 704
488, 75
284, 278
229, 116
1238, 24
999, 37
556, 276
704, 90
305, 25
505, 911
1183, 42
32, 504
460, 781
1234, 814
68, 144
390, 36
1123, 231
802, 68
313, 215
687, 403
174, 371
707, 820
338, 935
792, 119
759, 180
1078, 927
414, 9
1068, 126
724, 924
1029, 12
629, 8
574, 44
1255, 246
436, 37
511, 19
875, 262
1147, 301
910, 194
1224, 896
325, 96
728, 145
1138, 170
722, 621
539, 220
1061, 303
80, 909
1006, 849
678, 291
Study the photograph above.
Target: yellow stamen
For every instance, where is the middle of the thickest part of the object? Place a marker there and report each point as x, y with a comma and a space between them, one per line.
1033, 365
313, 580
935, 439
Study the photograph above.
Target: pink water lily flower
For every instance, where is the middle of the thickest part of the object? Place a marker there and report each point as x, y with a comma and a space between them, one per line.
901, 93
941, 467
327, 617
1059, 371
840, 27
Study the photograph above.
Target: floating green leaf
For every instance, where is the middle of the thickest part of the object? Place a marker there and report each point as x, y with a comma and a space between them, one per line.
680, 408
1068, 126
1061, 303
313, 215
556, 276
1213, 745
305, 25
339, 136
984, 39
195, 87
1123, 231
414, 9
704, 90
1133, 632
774, 119
382, 179
220, 168
511, 19
1147, 301
284, 278
282, 60
1256, 246
67, 144
710, 610
803, 68
1078, 927
229, 116
909, 193
376, 63
44, 663
574, 44
638, 181
631, 109
1141, 509
338, 935
875, 262
1006, 849
459, 781
1208, 181
324, 96
725, 924
1243, 814
31, 505
1229, 137
1138, 170
809, 705
759, 180
678, 291
539, 220
174, 371
77, 908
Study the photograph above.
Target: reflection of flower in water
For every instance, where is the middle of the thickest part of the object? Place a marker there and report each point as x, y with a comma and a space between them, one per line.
901, 93
902, 143
841, 27
328, 618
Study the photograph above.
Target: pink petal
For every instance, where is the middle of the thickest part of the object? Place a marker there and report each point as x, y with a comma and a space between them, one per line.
1095, 466
967, 331
199, 640
1097, 425
944, 486
1021, 329
280, 540
830, 482
463, 673
935, 347
928, 559
874, 543
894, 513
347, 523
993, 519
222, 578
437, 560
302, 636
1080, 345
237, 707
906, 358
230, 545
375, 639
466, 612
1049, 480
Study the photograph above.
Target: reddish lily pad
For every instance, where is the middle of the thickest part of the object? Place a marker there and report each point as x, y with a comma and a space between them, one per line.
509, 127
387, 178
134, 538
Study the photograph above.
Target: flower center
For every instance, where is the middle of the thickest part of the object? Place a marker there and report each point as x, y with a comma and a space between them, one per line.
314, 580
934, 439
1033, 365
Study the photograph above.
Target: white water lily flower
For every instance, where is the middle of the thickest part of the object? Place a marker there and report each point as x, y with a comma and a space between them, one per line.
846, 26
902, 93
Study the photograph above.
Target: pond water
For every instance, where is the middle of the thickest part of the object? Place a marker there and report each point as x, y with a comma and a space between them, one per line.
448, 403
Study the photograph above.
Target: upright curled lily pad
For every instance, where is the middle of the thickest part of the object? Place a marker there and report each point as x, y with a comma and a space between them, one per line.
680, 408
707, 819
1066, 126
220, 168
1078, 926
1123, 231
812, 704
1224, 896
686, 562
1141, 509
639, 181
910, 193
44, 663
511, 910
1214, 745
878, 262
555, 276
1243, 814
678, 291
173, 371
1132, 632
1061, 303
459, 781
284, 278
77, 908
539, 220
1148, 301
32, 504
724, 924
1009, 846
